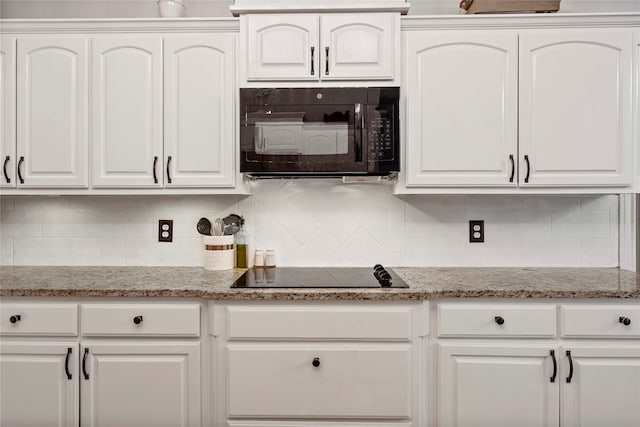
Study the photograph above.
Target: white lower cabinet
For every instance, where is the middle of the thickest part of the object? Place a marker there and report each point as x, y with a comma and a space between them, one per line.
309, 364
505, 368
108, 374
39, 383
605, 386
140, 384
497, 385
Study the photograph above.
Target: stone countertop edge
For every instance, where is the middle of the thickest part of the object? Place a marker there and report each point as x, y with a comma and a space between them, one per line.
425, 283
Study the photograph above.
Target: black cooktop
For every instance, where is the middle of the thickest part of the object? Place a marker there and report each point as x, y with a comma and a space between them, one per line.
320, 277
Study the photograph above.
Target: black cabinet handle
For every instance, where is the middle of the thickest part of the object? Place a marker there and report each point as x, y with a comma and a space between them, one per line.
499, 320
552, 353
84, 363
526, 159
155, 164
313, 71
326, 61
570, 366
169, 169
316, 362
20, 178
624, 320
4, 169
15, 318
66, 363
137, 320
513, 167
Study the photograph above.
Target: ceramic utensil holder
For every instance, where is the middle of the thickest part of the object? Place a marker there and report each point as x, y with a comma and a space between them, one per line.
218, 252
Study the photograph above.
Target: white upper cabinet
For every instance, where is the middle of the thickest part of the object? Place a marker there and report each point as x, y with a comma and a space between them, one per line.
127, 111
8, 111
462, 108
199, 110
540, 108
52, 136
575, 108
312, 47
357, 46
282, 47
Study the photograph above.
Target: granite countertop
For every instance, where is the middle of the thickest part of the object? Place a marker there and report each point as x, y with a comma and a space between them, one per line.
424, 283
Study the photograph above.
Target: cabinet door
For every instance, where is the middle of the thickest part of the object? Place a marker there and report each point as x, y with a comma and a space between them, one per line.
39, 384
358, 46
461, 108
143, 384
575, 108
604, 388
282, 47
52, 136
497, 385
8, 111
199, 75
127, 111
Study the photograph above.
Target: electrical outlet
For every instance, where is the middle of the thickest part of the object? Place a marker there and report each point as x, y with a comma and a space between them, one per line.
476, 231
165, 230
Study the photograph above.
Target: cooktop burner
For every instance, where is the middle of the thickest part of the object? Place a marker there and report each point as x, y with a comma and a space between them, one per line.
320, 277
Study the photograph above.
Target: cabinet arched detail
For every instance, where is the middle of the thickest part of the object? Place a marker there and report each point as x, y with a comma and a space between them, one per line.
52, 87
356, 43
462, 109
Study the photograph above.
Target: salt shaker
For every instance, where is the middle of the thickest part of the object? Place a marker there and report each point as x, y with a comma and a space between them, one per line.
259, 259
270, 258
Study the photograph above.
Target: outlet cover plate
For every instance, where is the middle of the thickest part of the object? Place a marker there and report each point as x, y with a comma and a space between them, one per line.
476, 231
165, 230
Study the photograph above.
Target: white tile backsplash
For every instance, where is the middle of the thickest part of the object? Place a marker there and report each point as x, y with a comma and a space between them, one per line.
316, 223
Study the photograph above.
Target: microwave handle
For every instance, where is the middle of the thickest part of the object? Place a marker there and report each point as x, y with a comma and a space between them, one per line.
359, 121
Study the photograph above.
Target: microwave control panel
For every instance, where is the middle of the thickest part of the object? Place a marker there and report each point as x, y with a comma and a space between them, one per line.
380, 139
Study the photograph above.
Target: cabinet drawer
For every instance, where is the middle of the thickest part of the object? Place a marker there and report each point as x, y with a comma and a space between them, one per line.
496, 320
307, 322
601, 321
141, 319
39, 319
349, 381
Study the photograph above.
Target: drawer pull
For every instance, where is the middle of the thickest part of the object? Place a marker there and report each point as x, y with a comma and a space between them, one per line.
499, 320
66, 363
84, 363
137, 320
16, 318
624, 320
316, 362
570, 366
552, 353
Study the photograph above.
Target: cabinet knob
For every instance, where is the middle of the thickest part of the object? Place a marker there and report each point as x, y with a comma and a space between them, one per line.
624, 320
16, 318
137, 320
316, 362
499, 320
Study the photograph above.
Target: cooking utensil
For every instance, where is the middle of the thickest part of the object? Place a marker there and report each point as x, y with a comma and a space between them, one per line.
204, 227
218, 227
231, 224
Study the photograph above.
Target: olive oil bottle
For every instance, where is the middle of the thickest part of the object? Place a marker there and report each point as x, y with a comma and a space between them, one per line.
241, 247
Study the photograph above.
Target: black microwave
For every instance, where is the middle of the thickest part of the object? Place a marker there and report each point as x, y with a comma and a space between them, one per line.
319, 131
